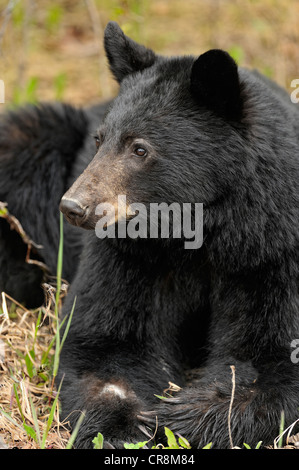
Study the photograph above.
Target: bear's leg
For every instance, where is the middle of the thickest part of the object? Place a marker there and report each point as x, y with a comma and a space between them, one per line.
109, 406
252, 329
111, 389
202, 413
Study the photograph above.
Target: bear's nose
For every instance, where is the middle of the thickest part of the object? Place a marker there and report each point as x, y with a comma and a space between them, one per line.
73, 211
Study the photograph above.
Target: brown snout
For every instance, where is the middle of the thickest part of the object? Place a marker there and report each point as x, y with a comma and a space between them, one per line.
74, 212
99, 183
78, 203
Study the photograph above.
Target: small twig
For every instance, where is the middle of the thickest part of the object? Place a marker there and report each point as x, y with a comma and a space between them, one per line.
4, 306
172, 388
231, 405
15, 224
288, 430
15, 302
40, 264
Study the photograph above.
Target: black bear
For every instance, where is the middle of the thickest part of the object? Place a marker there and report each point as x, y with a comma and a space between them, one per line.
149, 311
187, 129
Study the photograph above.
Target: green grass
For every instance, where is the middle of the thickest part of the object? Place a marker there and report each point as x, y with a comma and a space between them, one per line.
39, 370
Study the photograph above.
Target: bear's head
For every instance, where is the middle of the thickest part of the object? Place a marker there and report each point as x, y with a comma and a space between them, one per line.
169, 136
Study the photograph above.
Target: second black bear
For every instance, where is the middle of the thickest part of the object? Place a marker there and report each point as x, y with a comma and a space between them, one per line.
43, 149
187, 129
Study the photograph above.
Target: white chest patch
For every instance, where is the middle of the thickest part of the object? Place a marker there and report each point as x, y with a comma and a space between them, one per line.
114, 390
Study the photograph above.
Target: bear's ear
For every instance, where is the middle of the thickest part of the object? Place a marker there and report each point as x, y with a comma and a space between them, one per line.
215, 83
125, 56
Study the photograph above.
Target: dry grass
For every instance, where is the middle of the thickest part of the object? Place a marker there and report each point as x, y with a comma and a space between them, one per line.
29, 357
26, 386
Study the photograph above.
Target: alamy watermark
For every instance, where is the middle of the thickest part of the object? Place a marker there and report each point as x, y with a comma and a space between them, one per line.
295, 352
295, 93
157, 220
2, 92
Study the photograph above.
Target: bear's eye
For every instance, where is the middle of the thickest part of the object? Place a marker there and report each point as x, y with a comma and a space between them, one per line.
98, 140
140, 151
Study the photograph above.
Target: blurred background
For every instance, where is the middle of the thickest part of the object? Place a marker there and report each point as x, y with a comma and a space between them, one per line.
53, 50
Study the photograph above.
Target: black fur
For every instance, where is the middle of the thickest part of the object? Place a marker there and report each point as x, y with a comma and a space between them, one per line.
42, 150
215, 83
147, 311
